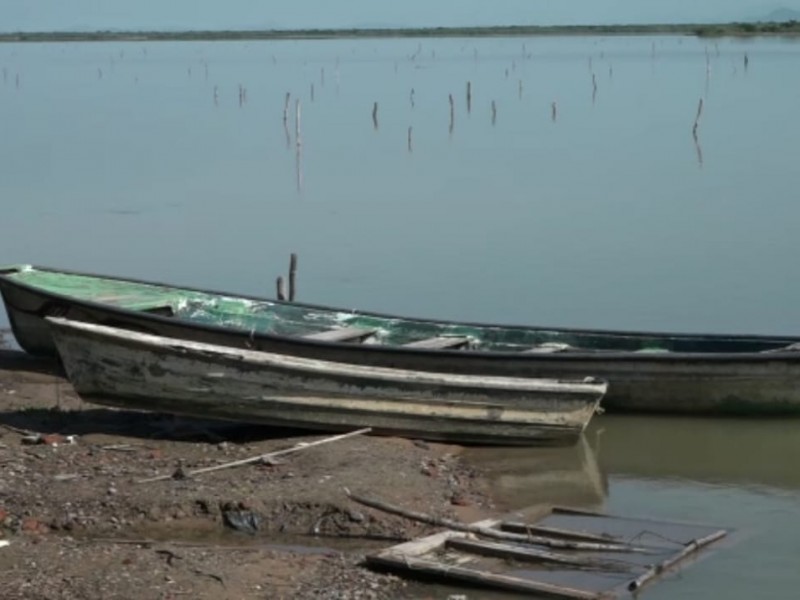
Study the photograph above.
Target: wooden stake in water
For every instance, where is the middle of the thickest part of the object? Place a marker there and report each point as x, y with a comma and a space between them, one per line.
494, 113
594, 87
411, 97
469, 95
375, 116
553, 111
697, 118
312, 92
452, 114
699, 151
280, 288
410, 146
519, 89
292, 275
286, 107
746, 61
297, 122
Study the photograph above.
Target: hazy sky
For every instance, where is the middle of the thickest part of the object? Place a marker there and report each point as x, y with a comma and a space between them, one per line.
33, 15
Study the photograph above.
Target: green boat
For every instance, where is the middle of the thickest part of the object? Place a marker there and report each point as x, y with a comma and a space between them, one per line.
647, 372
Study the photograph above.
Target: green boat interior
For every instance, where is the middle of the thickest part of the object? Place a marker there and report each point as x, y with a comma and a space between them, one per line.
344, 326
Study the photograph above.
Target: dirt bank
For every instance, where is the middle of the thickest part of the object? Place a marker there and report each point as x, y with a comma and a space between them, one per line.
82, 525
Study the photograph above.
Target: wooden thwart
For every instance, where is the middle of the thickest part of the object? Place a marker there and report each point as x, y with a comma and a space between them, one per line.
342, 334
440, 343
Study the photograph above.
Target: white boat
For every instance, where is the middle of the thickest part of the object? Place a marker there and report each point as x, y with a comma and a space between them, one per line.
118, 367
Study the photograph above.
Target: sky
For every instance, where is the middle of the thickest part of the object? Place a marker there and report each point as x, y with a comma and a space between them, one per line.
49, 15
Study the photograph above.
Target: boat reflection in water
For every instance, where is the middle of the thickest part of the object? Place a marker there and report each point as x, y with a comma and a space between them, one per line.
758, 452
532, 478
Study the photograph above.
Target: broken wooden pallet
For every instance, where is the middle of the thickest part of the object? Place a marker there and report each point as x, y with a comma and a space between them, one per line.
653, 549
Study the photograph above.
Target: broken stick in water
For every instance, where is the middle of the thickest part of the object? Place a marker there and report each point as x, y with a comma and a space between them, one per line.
263, 457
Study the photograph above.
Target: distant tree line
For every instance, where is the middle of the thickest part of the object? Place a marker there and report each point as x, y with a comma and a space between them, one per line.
711, 30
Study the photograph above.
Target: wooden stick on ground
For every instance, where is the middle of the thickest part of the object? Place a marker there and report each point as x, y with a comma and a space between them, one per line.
262, 457
490, 532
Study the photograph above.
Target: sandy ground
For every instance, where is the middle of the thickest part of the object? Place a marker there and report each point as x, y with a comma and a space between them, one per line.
80, 524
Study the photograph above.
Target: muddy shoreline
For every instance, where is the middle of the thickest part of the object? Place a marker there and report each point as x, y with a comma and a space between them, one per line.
80, 524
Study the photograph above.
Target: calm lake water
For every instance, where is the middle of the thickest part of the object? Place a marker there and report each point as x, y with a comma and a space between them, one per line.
172, 161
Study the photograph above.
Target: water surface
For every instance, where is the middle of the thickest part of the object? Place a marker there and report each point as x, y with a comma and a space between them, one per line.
172, 161
117, 158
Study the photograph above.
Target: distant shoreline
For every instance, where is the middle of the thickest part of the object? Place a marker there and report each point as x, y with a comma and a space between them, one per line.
787, 28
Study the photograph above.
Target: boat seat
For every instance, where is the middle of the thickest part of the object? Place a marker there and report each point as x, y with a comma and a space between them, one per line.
164, 310
440, 343
342, 334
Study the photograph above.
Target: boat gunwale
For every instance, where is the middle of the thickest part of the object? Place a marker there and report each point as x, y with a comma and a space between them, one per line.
775, 355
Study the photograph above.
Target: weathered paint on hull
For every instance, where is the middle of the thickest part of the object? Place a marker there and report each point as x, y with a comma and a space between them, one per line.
140, 371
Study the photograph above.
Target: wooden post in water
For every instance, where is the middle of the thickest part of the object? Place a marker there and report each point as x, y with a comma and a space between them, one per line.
286, 107
297, 121
410, 147
494, 113
452, 114
411, 97
292, 275
697, 118
281, 288
375, 116
469, 96
553, 111
312, 92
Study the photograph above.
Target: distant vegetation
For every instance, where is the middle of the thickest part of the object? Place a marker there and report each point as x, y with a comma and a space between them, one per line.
749, 29
787, 28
